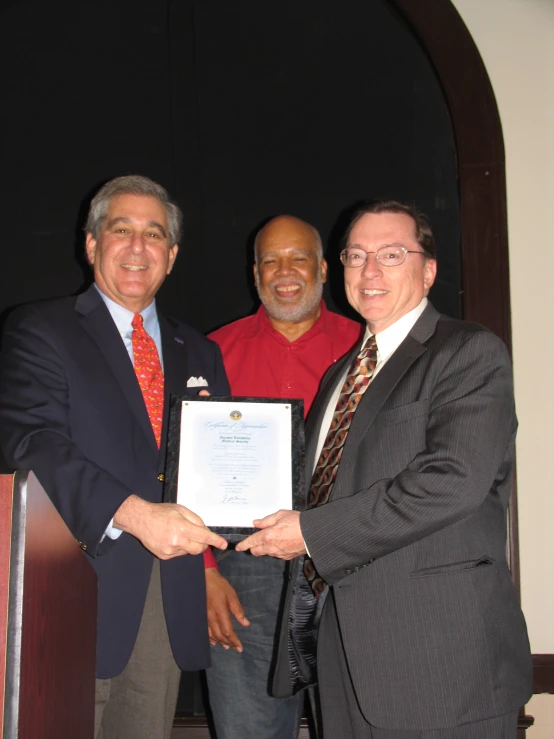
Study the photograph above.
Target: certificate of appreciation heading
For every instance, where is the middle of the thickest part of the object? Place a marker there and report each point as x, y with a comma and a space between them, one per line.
235, 460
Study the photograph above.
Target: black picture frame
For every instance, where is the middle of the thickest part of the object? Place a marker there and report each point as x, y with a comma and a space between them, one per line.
297, 450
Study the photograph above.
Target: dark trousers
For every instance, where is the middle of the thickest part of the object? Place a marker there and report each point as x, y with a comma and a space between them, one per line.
342, 717
140, 702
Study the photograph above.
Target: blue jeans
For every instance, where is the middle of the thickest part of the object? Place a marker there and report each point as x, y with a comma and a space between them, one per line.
238, 683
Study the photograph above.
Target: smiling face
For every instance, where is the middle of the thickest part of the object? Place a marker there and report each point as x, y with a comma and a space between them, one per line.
290, 271
380, 294
132, 255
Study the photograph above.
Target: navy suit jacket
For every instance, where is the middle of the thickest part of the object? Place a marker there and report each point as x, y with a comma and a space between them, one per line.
72, 411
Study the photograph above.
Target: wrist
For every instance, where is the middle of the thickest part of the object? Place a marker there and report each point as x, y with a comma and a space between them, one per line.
130, 513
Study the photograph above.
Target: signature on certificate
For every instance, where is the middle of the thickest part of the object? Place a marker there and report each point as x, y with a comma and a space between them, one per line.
236, 499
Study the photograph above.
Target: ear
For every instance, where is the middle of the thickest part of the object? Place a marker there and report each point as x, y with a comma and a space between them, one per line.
323, 268
90, 247
256, 275
429, 273
172, 257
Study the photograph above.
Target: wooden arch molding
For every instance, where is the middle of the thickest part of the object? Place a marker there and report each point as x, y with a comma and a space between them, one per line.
477, 130
481, 162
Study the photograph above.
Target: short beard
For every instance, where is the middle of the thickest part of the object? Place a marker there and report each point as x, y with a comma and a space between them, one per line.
297, 313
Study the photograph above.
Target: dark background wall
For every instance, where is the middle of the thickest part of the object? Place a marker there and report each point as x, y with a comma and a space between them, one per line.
241, 109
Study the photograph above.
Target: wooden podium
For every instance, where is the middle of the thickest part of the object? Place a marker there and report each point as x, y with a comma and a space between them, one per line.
48, 594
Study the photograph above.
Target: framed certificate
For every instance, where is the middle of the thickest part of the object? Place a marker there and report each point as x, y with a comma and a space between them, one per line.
233, 460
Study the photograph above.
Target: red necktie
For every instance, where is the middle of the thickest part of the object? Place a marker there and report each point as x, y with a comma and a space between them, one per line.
356, 383
149, 375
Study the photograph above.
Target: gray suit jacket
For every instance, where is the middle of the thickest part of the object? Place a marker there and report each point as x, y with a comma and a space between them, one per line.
413, 538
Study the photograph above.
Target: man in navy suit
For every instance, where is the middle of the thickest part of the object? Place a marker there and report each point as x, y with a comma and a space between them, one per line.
72, 410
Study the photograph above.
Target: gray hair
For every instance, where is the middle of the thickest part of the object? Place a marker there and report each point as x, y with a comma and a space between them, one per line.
133, 185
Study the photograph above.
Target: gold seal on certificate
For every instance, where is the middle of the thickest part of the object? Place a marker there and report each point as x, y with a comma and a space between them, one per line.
233, 460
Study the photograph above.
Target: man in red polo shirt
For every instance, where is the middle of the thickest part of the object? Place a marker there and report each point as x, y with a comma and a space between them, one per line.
282, 351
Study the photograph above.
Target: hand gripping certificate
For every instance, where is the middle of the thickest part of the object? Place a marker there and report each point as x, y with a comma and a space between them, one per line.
232, 460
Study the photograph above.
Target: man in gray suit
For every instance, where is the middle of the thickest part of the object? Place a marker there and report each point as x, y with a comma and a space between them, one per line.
400, 603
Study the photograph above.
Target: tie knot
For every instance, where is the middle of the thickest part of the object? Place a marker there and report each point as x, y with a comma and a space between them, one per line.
137, 321
369, 347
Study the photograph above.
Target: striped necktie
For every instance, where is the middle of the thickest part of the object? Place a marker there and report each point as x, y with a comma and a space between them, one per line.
356, 383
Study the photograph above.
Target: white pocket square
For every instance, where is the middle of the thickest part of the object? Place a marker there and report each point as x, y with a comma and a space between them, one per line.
196, 382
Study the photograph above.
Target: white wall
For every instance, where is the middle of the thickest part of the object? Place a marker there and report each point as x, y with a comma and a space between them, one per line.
516, 41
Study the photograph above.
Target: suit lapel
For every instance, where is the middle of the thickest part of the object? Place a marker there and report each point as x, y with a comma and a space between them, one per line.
175, 356
96, 320
387, 379
380, 389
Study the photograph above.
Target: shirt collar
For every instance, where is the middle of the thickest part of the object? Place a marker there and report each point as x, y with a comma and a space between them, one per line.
390, 339
122, 317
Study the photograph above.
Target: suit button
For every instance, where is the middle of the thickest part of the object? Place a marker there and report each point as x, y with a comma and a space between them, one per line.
371, 561
348, 572
161, 477
83, 546
356, 569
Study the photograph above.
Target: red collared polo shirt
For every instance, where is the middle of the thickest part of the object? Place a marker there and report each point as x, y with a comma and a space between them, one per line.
261, 362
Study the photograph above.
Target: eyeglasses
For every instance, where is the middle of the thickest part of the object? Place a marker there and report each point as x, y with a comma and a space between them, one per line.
388, 256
